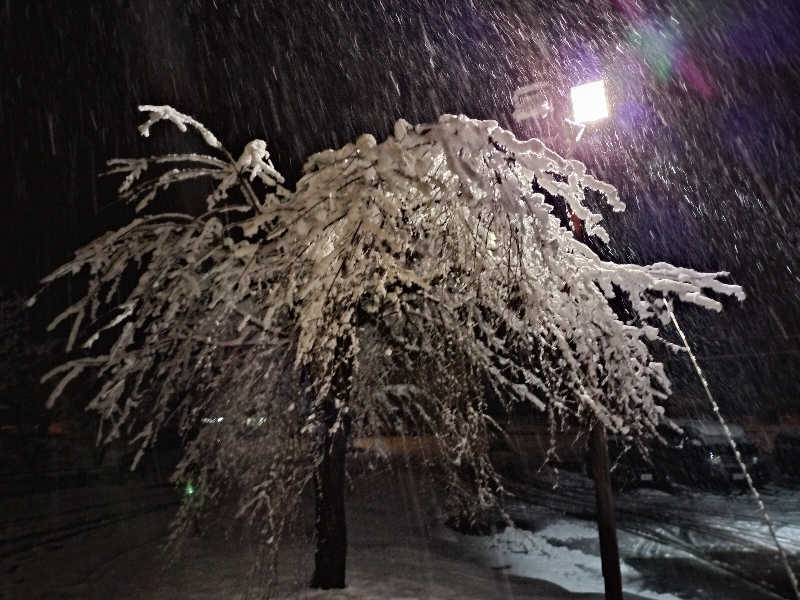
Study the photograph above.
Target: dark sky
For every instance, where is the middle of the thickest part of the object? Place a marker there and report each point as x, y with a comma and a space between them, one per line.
701, 142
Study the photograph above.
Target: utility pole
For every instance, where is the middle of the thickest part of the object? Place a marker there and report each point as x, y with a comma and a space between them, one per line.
589, 104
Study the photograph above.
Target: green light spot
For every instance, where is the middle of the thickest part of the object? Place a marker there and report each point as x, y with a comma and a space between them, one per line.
189, 489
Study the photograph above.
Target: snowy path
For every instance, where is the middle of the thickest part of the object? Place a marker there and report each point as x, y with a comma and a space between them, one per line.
55, 544
396, 551
48, 518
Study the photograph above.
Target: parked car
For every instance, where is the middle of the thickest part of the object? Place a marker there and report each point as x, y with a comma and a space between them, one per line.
787, 453
700, 456
703, 456
631, 467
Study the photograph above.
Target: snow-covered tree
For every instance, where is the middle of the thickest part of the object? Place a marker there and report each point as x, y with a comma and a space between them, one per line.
399, 286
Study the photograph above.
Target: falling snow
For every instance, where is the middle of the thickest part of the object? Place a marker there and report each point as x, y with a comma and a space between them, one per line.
699, 143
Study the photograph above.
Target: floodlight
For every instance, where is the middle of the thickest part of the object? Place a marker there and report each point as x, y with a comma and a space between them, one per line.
589, 102
531, 102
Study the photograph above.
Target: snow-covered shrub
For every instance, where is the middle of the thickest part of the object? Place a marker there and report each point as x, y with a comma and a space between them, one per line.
396, 288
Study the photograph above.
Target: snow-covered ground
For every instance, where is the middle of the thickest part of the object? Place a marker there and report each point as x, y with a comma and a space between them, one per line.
693, 544
398, 549
561, 553
736, 515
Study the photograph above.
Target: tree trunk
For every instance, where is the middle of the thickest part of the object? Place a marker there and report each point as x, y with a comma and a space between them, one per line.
329, 484
331, 527
606, 523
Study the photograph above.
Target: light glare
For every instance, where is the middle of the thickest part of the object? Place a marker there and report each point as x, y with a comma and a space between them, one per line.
589, 102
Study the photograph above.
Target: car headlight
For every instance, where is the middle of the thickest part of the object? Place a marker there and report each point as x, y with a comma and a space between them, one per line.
754, 460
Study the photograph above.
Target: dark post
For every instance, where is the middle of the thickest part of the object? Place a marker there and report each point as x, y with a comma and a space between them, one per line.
606, 523
601, 472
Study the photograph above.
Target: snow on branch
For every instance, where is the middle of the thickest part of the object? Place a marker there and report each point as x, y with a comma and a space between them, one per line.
180, 120
430, 266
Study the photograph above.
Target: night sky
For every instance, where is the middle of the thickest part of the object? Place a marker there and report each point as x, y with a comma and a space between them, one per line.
702, 141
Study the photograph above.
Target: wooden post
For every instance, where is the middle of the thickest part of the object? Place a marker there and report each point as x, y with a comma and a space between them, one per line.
606, 522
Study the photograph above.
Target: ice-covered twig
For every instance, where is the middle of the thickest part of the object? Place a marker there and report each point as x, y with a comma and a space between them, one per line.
167, 113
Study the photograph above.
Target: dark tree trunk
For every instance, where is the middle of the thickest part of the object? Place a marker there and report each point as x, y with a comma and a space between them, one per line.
331, 527
329, 486
606, 523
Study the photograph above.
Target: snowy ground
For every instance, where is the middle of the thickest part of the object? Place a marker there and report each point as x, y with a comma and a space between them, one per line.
103, 542
688, 543
561, 552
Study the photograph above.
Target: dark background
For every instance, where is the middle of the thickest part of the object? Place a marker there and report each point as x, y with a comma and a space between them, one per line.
702, 140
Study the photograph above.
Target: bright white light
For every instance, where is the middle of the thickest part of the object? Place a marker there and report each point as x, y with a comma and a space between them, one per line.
589, 102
